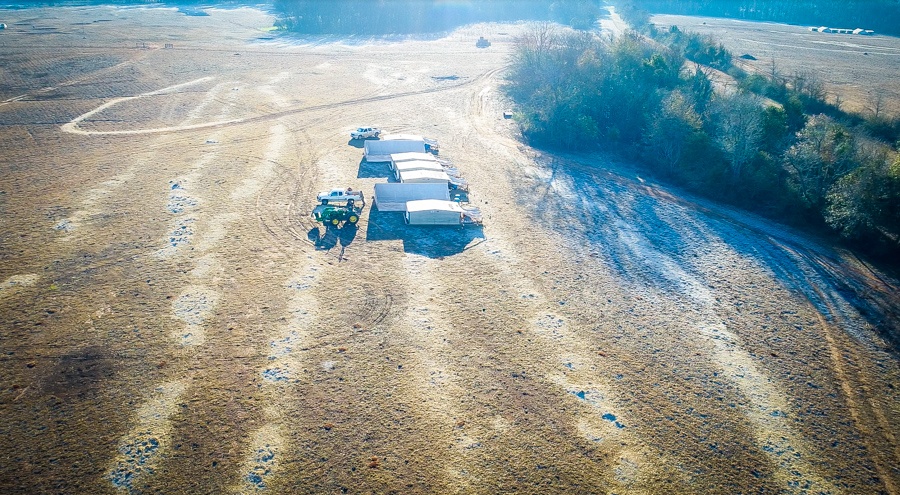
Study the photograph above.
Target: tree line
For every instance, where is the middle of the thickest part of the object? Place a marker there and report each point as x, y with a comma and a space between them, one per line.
883, 16
381, 17
800, 159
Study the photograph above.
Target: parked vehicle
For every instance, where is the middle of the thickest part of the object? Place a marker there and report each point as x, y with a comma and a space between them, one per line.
346, 195
365, 133
482, 42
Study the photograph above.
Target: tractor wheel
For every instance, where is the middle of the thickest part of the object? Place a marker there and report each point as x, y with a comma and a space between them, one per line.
335, 221
353, 219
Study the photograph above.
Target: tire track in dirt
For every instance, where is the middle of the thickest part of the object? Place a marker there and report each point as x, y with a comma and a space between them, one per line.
141, 450
197, 304
72, 127
567, 375
192, 309
293, 184
78, 80
670, 271
93, 204
868, 416
649, 261
283, 207
432, 377
284, 368
881, 425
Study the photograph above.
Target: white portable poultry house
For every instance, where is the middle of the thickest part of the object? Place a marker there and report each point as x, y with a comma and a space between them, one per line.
409, 156
425, 176
381, 151
409, 166
394, 196
433, 212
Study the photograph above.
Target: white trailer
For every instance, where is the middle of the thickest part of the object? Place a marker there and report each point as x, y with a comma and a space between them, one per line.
394, 196
403, 137
434, 212
405, 157
431, 145
411, 165
381, 151
425, 176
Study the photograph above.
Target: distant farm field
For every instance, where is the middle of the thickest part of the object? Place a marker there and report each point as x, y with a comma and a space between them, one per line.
860, 70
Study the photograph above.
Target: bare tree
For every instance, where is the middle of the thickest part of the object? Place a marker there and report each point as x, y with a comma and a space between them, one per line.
809, 83
532, 65
838, 100
876, 103
739, 126
774, 75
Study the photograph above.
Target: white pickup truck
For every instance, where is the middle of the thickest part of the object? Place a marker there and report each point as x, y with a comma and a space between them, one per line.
346, 195
365, 133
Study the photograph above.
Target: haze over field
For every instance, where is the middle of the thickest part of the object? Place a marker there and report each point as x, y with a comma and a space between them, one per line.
173, 320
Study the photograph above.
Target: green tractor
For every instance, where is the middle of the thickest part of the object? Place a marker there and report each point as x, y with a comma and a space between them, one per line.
336, 215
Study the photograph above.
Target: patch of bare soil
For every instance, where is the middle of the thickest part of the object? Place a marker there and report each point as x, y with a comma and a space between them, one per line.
174, 321
857, 71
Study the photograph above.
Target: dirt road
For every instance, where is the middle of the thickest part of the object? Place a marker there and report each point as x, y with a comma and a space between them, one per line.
172, 320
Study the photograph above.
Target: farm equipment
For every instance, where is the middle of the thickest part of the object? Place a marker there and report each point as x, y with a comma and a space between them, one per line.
482, 42
334, 215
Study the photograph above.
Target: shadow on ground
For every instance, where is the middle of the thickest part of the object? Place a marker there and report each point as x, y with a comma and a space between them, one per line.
429, 241
328, 236
653, 237
374, 170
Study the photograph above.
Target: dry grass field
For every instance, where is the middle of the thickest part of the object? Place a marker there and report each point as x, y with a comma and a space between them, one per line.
173, 321
860, 71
